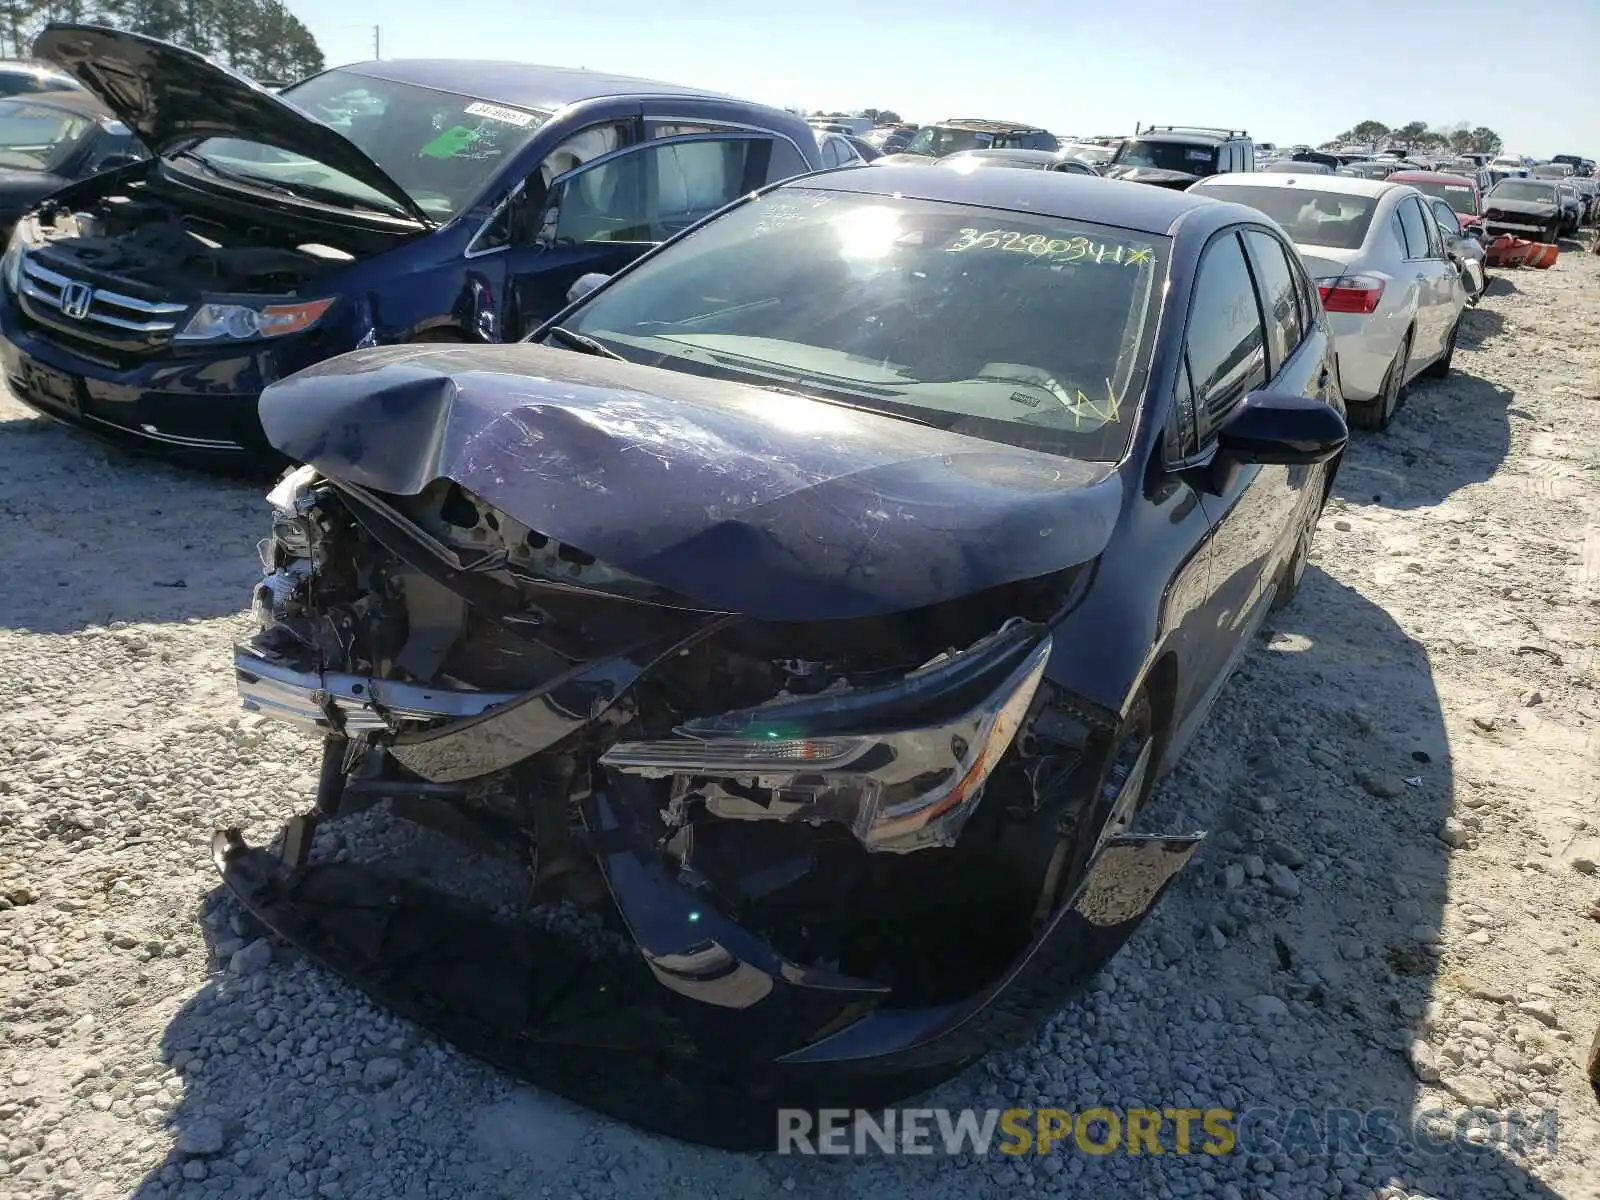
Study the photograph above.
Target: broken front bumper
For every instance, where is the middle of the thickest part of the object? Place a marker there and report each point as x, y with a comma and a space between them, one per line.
351, 704
604, 1033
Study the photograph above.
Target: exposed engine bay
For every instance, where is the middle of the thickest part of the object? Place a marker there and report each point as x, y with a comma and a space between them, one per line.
186, 245
793, 803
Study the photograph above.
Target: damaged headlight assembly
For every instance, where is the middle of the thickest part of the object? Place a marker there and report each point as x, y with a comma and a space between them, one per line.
903, 765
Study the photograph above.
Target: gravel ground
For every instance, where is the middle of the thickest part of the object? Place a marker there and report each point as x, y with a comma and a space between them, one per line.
1401, 785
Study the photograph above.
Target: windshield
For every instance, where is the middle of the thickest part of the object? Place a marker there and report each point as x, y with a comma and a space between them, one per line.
1008, 326
1168, 156
939, 140
1457, 195
1310, 218
1525, 189
441, 148
38, 137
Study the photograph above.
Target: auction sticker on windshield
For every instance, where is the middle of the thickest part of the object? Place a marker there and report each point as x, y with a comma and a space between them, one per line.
494, 112
1065, 250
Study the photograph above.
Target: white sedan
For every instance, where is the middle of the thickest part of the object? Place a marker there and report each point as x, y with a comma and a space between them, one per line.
1394, 297
836, 149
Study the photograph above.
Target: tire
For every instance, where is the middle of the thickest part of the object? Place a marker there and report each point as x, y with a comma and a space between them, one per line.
1376, 414
1551, 235
1294, 570
1123, 785
1440, 368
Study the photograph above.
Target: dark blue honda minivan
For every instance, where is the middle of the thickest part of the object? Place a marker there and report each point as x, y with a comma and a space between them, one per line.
392, 201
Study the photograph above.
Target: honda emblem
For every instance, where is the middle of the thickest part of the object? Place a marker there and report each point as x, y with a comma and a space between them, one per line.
75, 300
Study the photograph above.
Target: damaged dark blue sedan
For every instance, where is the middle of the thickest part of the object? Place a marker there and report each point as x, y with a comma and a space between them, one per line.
816, 602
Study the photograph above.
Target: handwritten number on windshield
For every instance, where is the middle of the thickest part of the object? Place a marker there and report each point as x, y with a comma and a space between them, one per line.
1064, 250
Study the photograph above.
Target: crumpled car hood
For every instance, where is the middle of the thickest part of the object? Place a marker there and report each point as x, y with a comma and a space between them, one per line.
738, 498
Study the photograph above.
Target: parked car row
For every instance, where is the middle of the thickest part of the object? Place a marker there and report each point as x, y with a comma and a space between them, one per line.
795, 596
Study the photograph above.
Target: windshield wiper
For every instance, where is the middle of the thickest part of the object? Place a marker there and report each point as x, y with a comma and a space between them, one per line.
581, 341
211, 168
885, 411
302, 191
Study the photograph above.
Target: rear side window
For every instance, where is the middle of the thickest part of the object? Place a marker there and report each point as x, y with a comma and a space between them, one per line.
1279, 297
1225, 342
1413, 227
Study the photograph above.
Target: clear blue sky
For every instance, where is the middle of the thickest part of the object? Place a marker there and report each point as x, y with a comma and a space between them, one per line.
1288, 71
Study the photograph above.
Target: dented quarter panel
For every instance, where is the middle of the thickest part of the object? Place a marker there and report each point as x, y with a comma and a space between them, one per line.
828, 512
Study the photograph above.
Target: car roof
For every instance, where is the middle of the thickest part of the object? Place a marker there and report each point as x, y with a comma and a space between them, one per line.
1017, 154
984, 124
523, 85
1134, 206
27, 66
1440, 177
76, 101
1178, 135
1344, 185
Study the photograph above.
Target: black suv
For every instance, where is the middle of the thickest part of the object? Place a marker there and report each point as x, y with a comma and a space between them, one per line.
977, 133
1174, 156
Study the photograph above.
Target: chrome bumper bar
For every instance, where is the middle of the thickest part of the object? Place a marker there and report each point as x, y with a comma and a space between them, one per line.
364, 705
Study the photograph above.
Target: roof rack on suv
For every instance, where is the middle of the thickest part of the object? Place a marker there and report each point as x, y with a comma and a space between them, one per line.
1211, 129
991, 121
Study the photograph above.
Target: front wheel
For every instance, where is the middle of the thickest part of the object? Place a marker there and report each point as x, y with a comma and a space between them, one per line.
1125, 780
1551, 235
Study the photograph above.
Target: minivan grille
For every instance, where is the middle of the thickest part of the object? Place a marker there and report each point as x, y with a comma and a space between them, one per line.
80, 309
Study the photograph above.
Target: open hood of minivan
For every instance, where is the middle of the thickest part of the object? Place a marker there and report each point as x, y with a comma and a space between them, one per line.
169, 96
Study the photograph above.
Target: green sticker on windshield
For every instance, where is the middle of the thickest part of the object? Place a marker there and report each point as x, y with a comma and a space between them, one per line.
450, 143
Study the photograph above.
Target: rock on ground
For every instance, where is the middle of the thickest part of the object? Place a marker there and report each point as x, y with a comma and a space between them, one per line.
1378, 749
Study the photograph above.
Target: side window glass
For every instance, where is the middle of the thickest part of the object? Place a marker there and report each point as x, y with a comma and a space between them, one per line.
1435, 238
584, 146
1226, 345
1397, 234
1414, 226
1180, 433
1276, 284
654, 192
513, 222
669, 131
1446, 217
830, 153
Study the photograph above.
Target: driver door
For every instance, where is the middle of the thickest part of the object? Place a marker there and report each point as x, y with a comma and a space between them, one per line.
603, 214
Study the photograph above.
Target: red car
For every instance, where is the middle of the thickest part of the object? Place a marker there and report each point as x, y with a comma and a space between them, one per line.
1460, 192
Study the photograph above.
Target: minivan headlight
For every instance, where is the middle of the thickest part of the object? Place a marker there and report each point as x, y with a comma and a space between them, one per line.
11, 265
241, 322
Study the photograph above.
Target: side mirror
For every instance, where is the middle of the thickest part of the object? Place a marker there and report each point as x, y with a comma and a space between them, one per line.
585, 285
1278, 428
